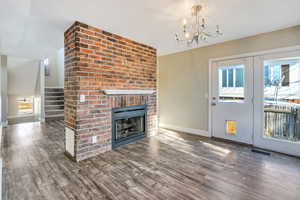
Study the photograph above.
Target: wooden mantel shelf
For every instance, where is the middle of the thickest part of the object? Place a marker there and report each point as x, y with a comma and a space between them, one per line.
128, 92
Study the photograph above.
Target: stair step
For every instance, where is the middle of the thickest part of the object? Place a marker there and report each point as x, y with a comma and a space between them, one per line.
54, 98
54, 90
54, 103
54, 107
54, 112
57, 115
54, 117
51, 100
54, 94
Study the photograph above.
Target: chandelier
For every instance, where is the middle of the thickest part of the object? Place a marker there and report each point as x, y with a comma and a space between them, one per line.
197, 31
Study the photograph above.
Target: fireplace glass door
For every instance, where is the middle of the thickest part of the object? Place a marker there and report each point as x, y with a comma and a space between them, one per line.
129, 127
129, 124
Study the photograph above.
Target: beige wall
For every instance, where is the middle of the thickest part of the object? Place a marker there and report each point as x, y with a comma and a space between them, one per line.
183, 77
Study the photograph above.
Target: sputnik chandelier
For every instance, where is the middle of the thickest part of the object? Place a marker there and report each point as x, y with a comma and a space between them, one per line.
197, 31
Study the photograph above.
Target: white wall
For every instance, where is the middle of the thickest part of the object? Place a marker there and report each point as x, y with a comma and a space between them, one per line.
3, 89
23, 77
56, 66
0, 93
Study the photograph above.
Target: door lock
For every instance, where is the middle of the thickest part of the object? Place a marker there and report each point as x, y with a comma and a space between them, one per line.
214, 101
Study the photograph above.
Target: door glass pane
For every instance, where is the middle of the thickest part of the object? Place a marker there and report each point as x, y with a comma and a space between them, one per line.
230, 78
224, 78
231, 83
239, 77
282, 99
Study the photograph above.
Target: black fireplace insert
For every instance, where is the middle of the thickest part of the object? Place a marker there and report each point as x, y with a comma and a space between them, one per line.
128, 124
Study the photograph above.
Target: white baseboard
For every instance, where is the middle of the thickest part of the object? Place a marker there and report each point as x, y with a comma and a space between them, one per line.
186, 130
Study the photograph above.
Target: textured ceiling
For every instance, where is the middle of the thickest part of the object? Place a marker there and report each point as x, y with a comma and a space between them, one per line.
34, 28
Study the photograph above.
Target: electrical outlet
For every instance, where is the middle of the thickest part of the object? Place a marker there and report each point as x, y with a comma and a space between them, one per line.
94, 139
82, 98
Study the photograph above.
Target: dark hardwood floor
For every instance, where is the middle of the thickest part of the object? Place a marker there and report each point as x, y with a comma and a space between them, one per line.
166, 167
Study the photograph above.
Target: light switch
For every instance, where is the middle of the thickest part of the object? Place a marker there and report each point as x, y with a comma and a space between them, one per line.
82, 98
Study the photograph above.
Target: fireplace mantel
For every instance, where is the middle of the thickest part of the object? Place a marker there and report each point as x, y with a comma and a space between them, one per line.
129, 92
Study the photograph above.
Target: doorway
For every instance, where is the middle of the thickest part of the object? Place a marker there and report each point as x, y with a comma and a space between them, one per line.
256, 100
24, 86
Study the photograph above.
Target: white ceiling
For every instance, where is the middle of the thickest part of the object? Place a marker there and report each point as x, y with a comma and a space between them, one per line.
34, 28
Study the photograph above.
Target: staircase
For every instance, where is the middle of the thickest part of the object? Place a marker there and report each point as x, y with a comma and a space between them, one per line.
54, 104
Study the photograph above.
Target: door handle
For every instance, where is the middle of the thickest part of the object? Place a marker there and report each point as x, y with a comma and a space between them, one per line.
213, 104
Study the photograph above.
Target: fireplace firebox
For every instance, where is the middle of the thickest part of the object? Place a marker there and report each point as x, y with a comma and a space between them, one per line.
128, 124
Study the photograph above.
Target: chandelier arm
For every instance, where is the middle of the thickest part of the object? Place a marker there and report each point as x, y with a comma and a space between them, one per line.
198, 30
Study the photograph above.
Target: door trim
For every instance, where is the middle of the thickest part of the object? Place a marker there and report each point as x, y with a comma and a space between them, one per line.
251, 54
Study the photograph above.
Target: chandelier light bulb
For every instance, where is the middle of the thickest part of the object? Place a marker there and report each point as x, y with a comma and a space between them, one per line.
184, 22
187, 35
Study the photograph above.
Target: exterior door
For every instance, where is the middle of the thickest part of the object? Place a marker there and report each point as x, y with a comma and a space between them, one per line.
232, 100
277, 102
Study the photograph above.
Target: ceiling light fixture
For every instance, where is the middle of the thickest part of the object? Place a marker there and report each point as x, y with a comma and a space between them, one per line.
197, 31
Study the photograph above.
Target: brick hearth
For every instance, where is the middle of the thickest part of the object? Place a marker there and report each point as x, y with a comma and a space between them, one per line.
96, 60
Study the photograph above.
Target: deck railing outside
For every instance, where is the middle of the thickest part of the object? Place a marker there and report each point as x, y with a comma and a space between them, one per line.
282, 122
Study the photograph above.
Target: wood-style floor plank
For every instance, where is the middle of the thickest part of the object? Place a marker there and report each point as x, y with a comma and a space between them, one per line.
169, 166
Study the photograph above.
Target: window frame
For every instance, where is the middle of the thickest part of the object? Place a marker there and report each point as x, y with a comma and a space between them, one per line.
234, 78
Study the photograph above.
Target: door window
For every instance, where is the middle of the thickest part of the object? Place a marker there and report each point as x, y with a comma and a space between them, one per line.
25, 105
231, 83
282, 99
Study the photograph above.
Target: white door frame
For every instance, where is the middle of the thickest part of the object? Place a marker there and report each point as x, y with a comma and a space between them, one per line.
273, 144
252, 54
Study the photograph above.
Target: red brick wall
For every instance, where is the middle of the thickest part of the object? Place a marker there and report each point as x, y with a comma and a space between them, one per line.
96, 60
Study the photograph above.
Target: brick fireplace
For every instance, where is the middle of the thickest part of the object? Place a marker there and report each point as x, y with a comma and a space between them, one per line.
104, 72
